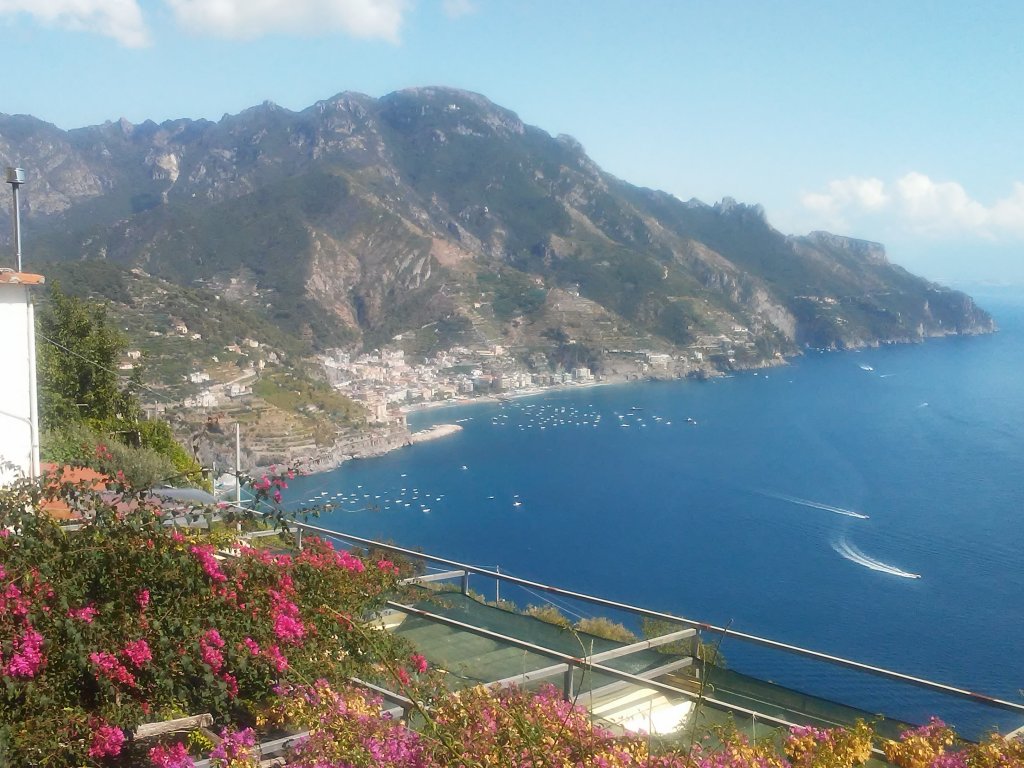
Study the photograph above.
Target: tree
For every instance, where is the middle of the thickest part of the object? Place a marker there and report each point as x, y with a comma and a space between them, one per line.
77, 364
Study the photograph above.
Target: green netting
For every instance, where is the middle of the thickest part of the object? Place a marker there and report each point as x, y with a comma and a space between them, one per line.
471, 659
475, 659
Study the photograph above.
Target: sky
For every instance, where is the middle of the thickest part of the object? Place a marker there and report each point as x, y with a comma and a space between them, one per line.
899, 122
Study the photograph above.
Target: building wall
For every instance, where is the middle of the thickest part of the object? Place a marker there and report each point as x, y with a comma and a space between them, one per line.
18, 442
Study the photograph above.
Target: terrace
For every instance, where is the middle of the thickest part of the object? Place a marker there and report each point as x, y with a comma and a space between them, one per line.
663, 685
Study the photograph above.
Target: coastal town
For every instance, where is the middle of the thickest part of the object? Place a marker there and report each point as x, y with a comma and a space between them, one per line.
385, 385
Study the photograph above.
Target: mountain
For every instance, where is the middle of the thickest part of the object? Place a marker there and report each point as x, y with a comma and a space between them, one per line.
359, 219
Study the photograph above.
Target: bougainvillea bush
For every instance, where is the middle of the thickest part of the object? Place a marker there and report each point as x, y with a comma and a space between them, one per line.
127, 621
513, 728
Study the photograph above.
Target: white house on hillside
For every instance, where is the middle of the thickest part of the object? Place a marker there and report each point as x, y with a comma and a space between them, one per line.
19, 414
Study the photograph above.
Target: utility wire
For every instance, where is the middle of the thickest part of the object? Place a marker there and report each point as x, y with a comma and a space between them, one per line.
118, 374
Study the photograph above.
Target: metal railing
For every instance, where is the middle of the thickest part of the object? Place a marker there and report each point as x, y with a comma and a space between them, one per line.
467, 570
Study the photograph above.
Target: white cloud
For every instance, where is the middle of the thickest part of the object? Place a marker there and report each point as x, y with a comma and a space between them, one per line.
453, 9
918, 204
247, 19
842, 194
119, 19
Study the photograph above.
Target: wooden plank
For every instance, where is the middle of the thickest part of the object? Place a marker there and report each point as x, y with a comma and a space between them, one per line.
179, 725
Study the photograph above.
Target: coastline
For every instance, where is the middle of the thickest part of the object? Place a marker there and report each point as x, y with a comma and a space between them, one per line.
520, 393
332, 458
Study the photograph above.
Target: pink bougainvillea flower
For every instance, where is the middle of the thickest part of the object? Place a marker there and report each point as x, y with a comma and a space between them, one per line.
109, 667
171, 757
208, 561
86, 613
138, 652
28, 658
107, 741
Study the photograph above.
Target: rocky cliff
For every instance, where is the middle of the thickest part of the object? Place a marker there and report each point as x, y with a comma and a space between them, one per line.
358, 219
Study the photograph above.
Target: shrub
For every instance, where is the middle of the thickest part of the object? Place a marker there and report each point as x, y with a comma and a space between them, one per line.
606, 628
549, 614
82, 445
127, 621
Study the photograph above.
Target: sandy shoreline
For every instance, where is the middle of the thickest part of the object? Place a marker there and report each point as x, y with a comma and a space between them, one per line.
435, 432
327, 464
516, 395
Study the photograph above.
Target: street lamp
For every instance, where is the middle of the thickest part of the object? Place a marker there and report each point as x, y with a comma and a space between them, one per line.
16, 177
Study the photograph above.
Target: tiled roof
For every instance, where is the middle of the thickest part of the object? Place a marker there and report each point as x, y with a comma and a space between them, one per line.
56, 476
10, 277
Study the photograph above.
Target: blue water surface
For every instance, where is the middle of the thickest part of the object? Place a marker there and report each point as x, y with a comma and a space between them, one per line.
796, 503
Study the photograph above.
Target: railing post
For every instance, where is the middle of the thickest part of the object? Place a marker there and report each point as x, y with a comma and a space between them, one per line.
567, 683
298, 539
465, 582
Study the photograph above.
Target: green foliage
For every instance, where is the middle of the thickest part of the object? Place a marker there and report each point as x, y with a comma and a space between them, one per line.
709, 652
81, 445
126, 621
600, 626
90, 280
548, 614
293, 392
89, 413
77, 363
512, 293
451, 330
157, 436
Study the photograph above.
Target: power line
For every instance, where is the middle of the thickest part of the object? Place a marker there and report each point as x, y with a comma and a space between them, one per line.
118, 374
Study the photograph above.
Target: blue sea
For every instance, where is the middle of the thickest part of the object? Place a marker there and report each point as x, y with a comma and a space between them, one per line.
798, 503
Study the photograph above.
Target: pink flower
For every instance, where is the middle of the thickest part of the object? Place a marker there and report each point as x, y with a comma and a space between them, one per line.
171, 757
288, 628
274, 656
232, 684
107, 741
386, 565
109, 667
209, 648
138, 652
277, 496
350, 562
13, 601
419, 662
252, 645
142, 598
28, 657
403, 676
85, 614
4, 533
235, 746
208, 562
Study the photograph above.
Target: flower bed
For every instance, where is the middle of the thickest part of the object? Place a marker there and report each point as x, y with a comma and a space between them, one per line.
126, 622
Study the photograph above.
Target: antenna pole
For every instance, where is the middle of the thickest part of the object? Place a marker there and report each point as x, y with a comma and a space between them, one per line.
238, 464
16, 177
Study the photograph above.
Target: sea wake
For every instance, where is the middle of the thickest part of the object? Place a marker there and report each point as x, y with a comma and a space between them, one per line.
814, 504
854, 555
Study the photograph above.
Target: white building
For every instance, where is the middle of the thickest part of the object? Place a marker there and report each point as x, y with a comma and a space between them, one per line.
205, 399
19, 413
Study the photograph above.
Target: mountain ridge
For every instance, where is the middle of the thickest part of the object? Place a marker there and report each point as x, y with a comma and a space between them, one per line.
359, 219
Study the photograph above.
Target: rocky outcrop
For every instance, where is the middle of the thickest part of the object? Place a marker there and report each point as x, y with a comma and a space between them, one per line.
358, 219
